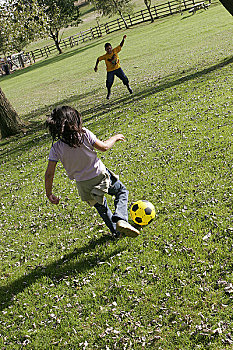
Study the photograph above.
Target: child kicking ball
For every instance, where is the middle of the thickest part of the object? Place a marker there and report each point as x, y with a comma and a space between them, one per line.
75, 148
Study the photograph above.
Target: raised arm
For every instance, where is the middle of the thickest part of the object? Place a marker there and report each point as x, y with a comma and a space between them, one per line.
109, 143
49, 175
123, 40
96, 65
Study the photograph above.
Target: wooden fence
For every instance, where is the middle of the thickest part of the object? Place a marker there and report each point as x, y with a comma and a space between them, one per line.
159, 11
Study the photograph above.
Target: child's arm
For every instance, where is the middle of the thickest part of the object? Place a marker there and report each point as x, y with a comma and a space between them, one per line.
96, 65
49, 175
123, 40
105, 145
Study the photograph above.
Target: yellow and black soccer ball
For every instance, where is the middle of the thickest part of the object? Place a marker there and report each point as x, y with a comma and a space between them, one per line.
142, 212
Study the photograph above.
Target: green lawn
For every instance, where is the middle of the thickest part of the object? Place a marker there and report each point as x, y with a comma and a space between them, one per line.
65, 284
89, 19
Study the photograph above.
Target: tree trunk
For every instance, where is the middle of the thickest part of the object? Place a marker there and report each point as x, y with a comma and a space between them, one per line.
58, 46
120, 13
54, 36
10, 123
126, 25
227, 4
21, 62
151, 17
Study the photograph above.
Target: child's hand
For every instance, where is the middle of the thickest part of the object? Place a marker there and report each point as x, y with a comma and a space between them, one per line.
95, 69
124, 37
120, 137
53, 199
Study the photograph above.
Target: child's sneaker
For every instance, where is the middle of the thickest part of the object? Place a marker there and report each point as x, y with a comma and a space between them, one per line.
123, 226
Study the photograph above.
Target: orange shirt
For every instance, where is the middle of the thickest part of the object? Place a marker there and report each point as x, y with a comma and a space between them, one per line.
112, 60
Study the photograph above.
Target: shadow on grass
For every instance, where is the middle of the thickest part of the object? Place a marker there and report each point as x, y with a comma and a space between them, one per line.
191, 14
33, 128
24, 143
100, 109
48, 109
51, 60
166, 83
86, 12
67, 265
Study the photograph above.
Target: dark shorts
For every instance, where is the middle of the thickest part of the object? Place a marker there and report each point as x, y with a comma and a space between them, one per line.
120, 74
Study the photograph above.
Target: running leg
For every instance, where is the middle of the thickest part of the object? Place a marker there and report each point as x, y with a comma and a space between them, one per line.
109, 82
121, 75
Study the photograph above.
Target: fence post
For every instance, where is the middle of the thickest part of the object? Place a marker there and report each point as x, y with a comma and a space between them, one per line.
27, 54
170, 9
45, 50
33, 57
118, 23
88, 34
94, 32
93, 36
41, 53
71, 41
106, 28
184, 4
130, 20
99, 30
76, 42
156, 13
142, 16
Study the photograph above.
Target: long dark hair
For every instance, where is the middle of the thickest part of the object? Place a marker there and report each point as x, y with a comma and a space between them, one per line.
65, 124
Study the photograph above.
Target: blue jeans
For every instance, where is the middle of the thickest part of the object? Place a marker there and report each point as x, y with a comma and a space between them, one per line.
120, 192
120, 74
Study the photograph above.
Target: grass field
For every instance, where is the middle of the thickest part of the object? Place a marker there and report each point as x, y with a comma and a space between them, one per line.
89, 17
65, 284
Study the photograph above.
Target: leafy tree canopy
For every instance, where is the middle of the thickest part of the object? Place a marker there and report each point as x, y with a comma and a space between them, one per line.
20, 23
58, 15
112, 7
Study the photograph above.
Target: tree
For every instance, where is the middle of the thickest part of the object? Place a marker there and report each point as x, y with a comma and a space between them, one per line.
24, 20
58, 15
228, 4
20, 23
4, 28
15, 21
10, 123
112, 7
26, 24
148, 5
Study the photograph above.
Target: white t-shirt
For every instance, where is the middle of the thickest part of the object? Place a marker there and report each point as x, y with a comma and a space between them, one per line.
81, 163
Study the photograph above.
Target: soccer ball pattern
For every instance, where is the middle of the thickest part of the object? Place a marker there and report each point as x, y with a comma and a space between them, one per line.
142, 212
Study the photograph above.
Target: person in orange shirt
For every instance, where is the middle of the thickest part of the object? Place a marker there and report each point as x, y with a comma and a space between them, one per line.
112, 62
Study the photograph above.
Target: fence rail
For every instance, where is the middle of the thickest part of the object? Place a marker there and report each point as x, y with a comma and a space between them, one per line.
159, 11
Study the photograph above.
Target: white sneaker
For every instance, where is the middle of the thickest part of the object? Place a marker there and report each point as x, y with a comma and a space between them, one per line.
123, 226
